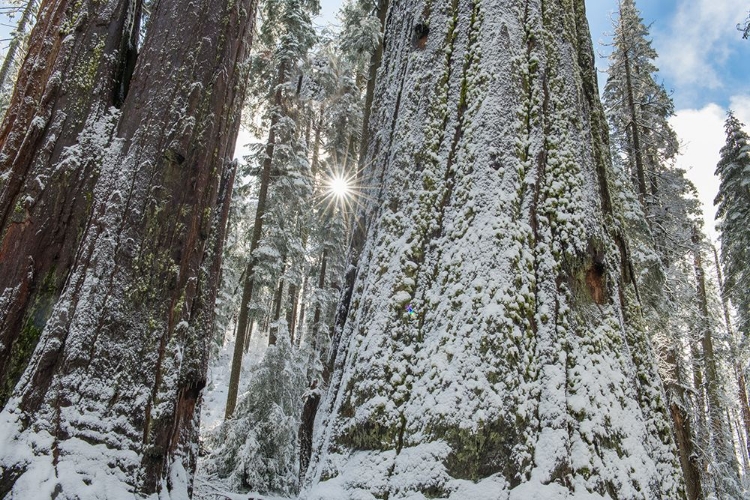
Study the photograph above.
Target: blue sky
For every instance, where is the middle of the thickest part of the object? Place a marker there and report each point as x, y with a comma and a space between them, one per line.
702, 57
705, 64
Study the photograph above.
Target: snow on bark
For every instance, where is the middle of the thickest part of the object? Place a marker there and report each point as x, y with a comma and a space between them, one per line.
51, 144
523, 372
108, 405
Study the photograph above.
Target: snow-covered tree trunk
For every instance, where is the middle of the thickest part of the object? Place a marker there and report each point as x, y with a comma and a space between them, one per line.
520, 370
244, 320
724, 460
683, 431
50, 157
108, 404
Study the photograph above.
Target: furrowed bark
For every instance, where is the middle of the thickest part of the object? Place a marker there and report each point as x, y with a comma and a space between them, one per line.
490, 289
50, 158
122, 360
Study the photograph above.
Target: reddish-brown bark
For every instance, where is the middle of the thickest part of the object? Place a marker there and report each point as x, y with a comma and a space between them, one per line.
122, 359
59, 111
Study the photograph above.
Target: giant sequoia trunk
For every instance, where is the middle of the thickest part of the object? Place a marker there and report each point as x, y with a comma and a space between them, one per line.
107, 406
78, 66
522, 372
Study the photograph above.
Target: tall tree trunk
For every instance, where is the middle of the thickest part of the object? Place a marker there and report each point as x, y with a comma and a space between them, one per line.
318, 126
738, 369
701, 429
115, 381
302, 311
315, 341
291, 311
635, 133
307, 422
50, 156
495, 184
243, 323
722, 448
276, 311
681, 420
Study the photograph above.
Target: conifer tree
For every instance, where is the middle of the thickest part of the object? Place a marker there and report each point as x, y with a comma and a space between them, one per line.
258, 450
721, 454
107, 406
638, 109
644, 146
492, 294
285, 36
18, 40
733, 212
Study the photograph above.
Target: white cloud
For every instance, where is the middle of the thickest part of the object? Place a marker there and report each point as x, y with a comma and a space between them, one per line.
699, 37
740, 104
702, 134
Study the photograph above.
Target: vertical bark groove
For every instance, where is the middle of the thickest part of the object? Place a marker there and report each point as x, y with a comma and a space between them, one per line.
122, 360
490, 214
49, 149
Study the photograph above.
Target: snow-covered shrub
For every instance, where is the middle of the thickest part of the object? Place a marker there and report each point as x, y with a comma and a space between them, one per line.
257, 449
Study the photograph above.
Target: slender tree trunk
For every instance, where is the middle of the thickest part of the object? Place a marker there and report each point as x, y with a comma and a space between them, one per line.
243, 322
315, 340
475, 348
50, 156
636, 150
741, 439
701, 428
116, 378
738, 370
683, 430
277, 300
315, 161
292, 311
302, 311
722, 450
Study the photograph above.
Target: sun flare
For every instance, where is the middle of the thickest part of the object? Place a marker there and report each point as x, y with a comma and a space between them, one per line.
340, 187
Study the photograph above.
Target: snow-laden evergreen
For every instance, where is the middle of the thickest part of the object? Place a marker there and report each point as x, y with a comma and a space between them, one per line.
661, 220
257, 450
523, 372
315, 120
733, 214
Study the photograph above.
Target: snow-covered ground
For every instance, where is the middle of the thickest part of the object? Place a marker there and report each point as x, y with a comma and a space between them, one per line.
206, 489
